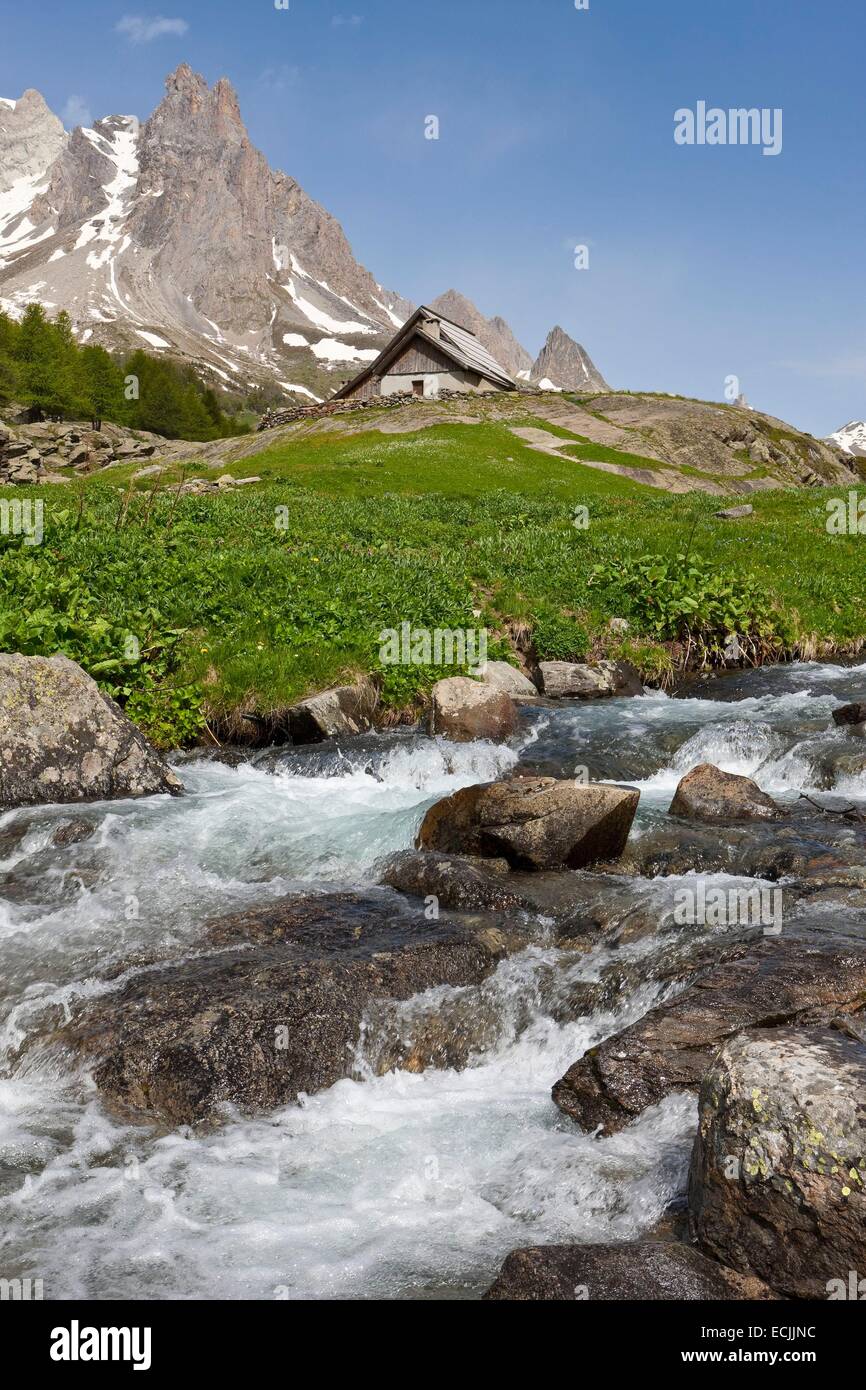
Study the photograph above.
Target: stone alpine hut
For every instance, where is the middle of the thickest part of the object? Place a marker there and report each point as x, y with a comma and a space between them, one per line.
427, 356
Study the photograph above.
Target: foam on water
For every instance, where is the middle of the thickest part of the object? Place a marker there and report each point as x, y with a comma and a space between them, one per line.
782, 763
157, 869
391, 1186
385, 1185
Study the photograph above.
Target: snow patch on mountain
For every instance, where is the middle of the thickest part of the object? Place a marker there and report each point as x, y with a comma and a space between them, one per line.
152, 338
15, 227
851, 438
396, 321
331, 350
300, 391
323, 320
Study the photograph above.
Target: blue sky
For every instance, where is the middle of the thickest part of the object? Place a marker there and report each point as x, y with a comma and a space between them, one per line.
556, 129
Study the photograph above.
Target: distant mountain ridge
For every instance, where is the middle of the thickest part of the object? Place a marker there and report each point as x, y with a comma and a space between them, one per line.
851, 438
562, 364
176, 235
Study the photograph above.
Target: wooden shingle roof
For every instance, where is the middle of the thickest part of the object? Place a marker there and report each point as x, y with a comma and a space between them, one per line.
457, 343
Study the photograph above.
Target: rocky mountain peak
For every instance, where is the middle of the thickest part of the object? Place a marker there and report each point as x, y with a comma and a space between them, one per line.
186, 84
175, 233
494, 334
565, 364
226, 101
851, 438
193, 113
31, 138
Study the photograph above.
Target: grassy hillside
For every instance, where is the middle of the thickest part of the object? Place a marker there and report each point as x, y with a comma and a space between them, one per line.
663, 441
192, 607
454, 460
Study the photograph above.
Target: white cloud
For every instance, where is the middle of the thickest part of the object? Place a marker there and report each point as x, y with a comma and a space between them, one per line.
347, 21
278, 79
138, 29
76, 112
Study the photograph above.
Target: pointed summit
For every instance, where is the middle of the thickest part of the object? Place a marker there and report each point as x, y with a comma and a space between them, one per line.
189, 99
563, 363
183, 79
31, 138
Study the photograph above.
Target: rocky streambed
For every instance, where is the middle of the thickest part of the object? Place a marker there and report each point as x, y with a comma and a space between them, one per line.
256, 1044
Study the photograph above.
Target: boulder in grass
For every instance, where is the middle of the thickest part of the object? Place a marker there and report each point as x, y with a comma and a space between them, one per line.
777, 1177
735, 513
653, 1270
343, 711
464, 709
62, 740
533, 822
708, 794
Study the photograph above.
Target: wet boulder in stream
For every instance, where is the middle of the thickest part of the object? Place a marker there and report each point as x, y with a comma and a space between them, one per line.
779, 1164
851, 717
807, 845
654, 1270
708, 794
61, 740
803, 979
533, 822
464, 709
273, 1007
455, 881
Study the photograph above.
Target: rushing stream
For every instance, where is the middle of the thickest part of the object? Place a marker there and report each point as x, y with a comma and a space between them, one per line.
396, 1185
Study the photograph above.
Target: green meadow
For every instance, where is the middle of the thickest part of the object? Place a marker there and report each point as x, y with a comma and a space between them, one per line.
192, 609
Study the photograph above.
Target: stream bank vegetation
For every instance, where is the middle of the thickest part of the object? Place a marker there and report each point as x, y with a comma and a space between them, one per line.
192, 611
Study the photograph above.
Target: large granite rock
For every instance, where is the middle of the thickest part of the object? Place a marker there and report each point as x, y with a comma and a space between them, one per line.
779, 1164
61, 740
533, 822
570, 680
653, 1270
776, 981
501, 675
706, 793
464, 709
273, 1008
